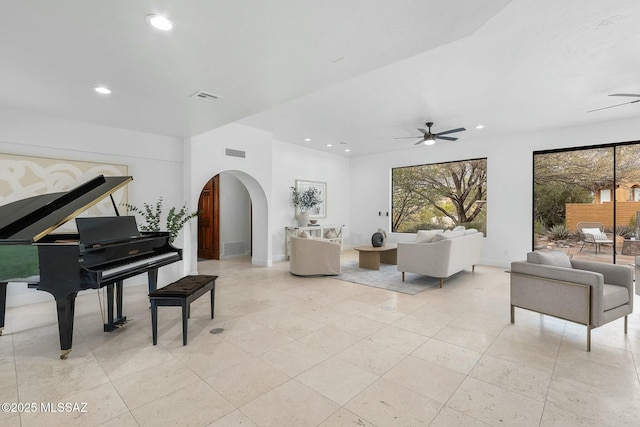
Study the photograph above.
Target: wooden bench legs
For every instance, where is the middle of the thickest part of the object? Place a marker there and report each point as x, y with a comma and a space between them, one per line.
181, 294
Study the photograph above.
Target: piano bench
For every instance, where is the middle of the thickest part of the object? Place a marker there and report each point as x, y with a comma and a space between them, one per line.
181, 294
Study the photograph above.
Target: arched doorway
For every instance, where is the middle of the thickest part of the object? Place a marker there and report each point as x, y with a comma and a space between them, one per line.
225, 221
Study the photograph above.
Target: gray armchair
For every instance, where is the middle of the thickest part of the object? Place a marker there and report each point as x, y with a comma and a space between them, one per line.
314, 256
588, 293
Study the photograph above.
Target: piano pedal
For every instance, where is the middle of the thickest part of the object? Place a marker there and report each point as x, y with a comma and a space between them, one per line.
110, 327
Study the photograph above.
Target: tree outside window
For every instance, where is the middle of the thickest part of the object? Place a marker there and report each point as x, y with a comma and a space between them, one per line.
441, 195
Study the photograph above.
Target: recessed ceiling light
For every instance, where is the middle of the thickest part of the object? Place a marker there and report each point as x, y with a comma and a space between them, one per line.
307, 139
329, 145
160, 22
103, 90
480, 127
347, 150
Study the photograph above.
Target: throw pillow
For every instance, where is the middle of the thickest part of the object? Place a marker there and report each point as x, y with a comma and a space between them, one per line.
470, 231
459, 228
304, 234
330, 234
449, 234
438, 237
596, 233
553, 258
426, 236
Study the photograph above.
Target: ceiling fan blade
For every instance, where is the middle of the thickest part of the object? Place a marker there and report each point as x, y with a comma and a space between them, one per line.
422, 130
450, 131
611, 106
448, 138
633, 95
409, 137
419, 142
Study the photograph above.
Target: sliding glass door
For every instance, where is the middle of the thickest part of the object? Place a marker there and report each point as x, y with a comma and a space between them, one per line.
586, 202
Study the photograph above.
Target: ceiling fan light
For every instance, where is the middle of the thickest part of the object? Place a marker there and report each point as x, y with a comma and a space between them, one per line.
429, 140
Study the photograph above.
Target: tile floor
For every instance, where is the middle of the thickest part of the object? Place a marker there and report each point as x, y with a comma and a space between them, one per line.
322, 352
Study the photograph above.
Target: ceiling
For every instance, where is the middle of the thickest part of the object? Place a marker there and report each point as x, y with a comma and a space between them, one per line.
357, 72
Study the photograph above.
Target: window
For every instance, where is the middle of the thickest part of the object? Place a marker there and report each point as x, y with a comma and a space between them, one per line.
440, 195
587, 187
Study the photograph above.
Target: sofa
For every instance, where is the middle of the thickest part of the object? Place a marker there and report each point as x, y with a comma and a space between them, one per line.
311, 256
439, 253
584, 292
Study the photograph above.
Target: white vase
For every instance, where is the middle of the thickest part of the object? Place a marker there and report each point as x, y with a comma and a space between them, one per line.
303, 219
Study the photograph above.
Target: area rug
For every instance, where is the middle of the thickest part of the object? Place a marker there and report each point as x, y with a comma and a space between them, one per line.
388, 277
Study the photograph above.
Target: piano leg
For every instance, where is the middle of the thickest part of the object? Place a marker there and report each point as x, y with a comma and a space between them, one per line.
114, 323
66, 307
153, 279
3, 304
119, 293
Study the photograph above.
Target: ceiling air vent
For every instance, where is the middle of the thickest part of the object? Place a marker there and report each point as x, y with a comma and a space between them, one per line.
235, 153
205, 96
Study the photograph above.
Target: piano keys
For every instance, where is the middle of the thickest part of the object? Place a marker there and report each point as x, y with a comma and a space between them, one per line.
104, 251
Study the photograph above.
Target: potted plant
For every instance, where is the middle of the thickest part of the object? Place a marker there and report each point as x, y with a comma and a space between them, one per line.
304, 201
176, 219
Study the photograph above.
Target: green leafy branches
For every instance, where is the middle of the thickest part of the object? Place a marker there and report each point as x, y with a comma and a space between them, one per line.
305, 199
152, 214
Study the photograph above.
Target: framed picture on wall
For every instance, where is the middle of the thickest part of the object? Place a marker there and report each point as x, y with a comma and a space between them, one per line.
320, 210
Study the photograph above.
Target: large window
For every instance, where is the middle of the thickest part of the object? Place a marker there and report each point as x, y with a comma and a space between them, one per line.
440, 195
588, 188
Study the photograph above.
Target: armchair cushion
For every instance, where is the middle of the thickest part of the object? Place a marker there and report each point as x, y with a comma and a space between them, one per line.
554, 258
595, 235
614, 296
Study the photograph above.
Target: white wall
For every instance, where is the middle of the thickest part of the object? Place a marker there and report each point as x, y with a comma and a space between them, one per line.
293, 162
509, 181
235, 215
268, 171
154, 161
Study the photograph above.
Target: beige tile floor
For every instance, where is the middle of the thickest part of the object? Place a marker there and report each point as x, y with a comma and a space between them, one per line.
322, 352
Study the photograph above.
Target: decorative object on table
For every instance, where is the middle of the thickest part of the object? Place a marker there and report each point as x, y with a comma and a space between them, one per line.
175, 220
307, 197
384, 235
377, 240
313, 221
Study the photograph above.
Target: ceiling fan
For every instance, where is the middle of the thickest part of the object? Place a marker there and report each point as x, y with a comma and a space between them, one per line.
632, 95
429, 138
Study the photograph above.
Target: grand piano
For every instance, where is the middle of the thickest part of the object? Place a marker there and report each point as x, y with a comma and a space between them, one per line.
104, 251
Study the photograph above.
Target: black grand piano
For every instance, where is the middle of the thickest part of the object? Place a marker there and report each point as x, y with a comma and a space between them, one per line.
104, 251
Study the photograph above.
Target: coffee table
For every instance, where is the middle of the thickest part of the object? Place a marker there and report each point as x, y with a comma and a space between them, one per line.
370, 257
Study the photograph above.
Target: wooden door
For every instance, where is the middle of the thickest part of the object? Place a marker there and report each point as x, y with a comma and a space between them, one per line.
209, 220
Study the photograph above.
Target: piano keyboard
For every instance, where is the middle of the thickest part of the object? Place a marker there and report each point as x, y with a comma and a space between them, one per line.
139, 263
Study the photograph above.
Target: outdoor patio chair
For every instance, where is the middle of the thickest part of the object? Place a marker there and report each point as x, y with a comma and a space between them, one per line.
593, 232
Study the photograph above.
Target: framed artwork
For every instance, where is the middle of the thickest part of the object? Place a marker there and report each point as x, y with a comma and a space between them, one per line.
27, 176
320, 211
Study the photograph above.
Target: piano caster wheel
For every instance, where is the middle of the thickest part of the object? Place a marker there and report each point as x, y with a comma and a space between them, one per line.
65, 354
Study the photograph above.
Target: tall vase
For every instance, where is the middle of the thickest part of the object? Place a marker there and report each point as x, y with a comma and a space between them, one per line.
303, 219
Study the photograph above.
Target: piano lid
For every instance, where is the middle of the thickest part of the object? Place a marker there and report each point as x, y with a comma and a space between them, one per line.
28, 220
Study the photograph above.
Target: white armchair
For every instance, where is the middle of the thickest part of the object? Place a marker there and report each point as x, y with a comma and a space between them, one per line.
314, 256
